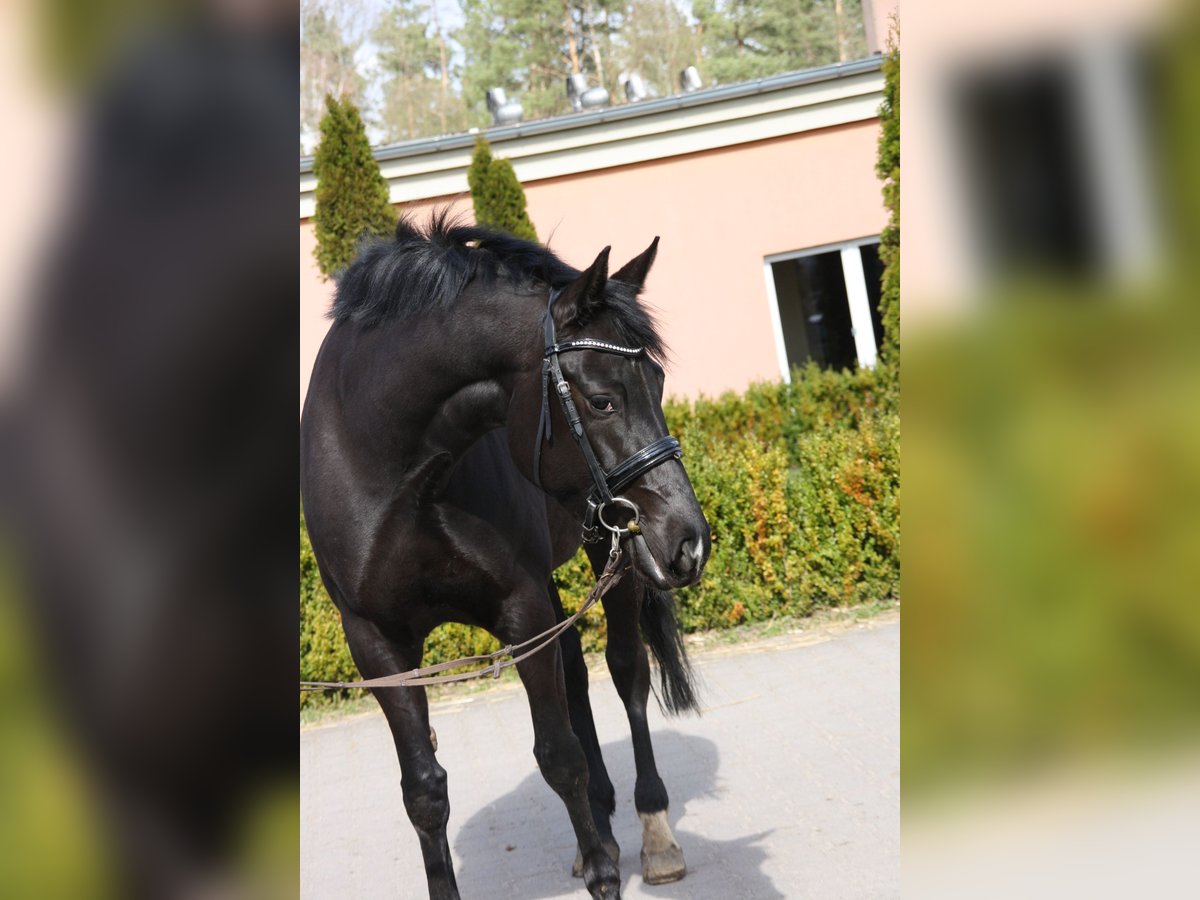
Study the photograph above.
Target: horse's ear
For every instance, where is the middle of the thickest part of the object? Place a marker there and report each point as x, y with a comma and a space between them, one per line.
585, 294
635, 271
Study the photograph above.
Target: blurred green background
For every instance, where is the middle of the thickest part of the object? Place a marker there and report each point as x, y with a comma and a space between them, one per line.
1052, 491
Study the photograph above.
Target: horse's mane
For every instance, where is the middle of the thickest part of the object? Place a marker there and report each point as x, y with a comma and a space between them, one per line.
426, 269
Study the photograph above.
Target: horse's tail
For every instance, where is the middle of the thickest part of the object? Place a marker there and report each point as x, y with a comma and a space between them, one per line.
676, 692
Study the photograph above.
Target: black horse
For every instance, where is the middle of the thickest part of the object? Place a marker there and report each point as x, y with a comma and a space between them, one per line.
439, 486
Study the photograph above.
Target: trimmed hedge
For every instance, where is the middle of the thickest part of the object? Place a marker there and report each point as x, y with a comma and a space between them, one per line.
799, 482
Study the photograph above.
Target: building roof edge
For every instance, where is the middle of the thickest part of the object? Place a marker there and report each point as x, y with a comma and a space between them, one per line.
499, 134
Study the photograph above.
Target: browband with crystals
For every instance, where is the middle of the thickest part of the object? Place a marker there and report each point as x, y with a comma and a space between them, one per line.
592, 344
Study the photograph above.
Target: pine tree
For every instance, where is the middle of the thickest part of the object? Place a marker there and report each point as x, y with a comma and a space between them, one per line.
498, 197
888, 169
418, 99
529, 47
352, 195
745, 39
655, 41
331, 34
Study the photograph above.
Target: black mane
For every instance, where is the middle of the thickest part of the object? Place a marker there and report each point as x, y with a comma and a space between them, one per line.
423, 270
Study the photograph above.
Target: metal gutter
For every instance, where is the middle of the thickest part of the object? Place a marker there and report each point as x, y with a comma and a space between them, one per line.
495, 135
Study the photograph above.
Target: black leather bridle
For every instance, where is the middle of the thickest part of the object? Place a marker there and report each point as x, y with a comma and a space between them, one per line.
606, 486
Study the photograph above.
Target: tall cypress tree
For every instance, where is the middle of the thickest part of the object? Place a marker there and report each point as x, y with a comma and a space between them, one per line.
352, 195
498, 197
888, 168
477, 174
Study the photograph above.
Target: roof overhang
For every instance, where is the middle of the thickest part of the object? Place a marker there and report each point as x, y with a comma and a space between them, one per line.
634, 132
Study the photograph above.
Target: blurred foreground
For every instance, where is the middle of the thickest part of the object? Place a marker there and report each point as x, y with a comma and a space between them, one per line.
1051, 451
147, 628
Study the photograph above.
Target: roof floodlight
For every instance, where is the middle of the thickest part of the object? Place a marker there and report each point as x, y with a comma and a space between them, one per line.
594, 98
503, 110
635, 88
583, 97
689, 80
576, 88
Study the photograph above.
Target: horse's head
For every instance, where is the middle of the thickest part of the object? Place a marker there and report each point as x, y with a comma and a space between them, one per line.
610, 374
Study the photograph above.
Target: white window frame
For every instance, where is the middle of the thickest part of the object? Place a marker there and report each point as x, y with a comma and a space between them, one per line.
856, 297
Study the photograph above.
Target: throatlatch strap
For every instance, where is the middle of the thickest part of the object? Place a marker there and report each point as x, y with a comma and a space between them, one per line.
544, 428
545, 431
575, 424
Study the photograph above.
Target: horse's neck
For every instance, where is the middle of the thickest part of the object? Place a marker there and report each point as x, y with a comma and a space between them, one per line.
450, 380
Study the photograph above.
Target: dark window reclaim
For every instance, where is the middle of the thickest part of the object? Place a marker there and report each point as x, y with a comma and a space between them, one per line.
814, 312
1022, 138
873, 273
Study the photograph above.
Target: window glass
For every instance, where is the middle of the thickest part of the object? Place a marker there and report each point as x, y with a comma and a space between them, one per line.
1021, 134
814, 312
872, 274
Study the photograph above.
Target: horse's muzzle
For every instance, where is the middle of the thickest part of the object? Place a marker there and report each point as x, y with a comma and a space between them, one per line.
683, 569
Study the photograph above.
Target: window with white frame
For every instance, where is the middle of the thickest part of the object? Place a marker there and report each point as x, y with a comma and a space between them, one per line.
825, 305
1053, 160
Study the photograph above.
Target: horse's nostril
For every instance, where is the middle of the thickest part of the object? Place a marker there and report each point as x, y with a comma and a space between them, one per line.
689, 558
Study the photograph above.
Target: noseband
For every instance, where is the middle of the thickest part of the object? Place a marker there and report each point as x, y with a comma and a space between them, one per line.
606, 487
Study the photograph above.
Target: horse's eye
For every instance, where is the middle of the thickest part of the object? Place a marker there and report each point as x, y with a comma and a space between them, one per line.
602, 404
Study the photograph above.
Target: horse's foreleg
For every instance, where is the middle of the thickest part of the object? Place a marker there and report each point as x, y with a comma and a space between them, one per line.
601, 795
662, 857
423, 781
560, 756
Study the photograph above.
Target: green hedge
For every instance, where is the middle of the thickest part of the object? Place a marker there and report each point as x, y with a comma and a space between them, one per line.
799, 482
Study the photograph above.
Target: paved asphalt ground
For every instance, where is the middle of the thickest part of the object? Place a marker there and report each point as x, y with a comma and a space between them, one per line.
788, 785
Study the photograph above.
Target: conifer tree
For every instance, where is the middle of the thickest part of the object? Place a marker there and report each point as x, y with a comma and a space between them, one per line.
744, 39
477, 173
498, 197
888, 169
330, 39
417, 96
352, 195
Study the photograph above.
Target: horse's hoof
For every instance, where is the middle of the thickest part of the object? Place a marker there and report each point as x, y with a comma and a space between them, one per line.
663, 867
601, 875
607, 891
610, 847
662, 857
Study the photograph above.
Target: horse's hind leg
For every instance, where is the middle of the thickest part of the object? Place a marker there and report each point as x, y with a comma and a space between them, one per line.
423, 781
601, 796
557, 750
662, 857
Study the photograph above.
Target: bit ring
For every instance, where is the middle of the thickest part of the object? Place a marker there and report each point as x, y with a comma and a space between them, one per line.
634, 525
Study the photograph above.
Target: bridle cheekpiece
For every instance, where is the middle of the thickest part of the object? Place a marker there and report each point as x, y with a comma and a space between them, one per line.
606, 486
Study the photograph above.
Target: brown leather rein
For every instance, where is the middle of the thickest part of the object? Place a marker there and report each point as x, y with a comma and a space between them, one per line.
430, 674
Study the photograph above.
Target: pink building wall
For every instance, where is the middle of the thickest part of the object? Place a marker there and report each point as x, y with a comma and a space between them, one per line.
718, 212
